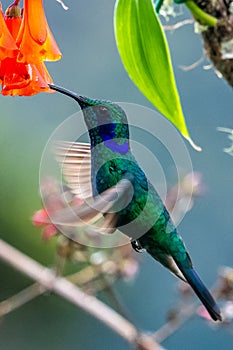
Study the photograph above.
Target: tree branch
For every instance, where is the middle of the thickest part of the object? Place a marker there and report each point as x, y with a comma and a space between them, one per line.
72, 293
218, 40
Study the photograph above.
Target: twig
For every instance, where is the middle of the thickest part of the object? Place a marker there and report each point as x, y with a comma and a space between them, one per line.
21, 298
193, 65
70, 292
89, 274
185, 313
63, 5
170, 327
113, 297
84, 276
179, 24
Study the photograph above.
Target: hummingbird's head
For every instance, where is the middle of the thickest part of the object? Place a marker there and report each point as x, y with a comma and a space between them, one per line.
104, 119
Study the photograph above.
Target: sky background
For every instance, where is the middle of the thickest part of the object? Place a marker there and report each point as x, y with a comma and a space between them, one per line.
92, 67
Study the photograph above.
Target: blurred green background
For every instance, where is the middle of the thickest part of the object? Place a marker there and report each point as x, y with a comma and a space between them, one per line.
91, 65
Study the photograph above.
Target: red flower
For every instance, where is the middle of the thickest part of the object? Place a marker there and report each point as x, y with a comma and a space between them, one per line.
8, 46
24, 45
35, 39
41, 219
21, 79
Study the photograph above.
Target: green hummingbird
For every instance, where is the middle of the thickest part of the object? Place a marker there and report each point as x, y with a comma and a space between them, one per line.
141, 214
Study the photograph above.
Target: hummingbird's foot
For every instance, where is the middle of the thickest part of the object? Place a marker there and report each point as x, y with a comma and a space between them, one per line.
136, 246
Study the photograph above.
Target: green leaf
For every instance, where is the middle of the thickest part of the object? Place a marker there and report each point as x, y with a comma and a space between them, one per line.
145, 54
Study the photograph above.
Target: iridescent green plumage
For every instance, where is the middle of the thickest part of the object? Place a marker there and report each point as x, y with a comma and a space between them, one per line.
144, 217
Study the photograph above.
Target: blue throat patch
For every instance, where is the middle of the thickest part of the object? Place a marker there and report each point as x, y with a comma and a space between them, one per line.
108, 136
115, 147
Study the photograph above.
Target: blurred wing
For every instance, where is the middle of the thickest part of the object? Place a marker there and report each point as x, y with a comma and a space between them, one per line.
92, 210
74, 159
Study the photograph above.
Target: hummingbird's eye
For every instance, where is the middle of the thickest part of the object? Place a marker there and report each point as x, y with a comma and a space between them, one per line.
103, 111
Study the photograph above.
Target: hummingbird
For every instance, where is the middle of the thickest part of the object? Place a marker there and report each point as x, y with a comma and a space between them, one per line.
142, 215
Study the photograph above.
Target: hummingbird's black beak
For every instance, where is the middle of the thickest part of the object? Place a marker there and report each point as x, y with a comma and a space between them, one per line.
80, 99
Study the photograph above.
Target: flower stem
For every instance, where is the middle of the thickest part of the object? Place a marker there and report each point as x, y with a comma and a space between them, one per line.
16, 2
201, 16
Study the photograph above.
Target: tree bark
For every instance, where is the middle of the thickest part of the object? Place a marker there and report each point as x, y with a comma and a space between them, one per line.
218, 40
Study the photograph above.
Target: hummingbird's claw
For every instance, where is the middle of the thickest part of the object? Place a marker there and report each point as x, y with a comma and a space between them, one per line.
136, 246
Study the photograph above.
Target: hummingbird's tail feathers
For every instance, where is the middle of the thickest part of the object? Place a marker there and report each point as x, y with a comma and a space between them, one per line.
171, 265
164, 259
168, 262
202, 292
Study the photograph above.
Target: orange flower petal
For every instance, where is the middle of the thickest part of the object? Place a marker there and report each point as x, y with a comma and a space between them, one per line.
13, 24
39, 79
8, 46
37, 22
35, 39
14, 75
22, 70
